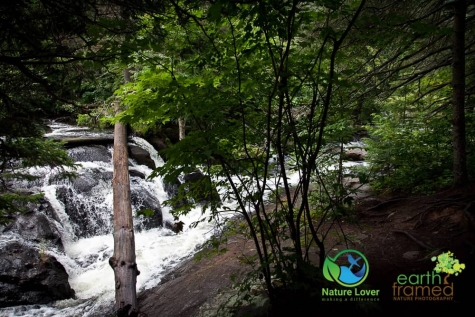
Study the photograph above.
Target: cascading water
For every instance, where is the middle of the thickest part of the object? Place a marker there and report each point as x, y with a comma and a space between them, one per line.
80, 210
82, 214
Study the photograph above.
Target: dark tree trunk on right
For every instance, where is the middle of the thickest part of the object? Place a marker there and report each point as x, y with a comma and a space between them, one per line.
458, 94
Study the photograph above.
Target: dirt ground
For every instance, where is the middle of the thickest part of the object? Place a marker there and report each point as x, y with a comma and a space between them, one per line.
397, 234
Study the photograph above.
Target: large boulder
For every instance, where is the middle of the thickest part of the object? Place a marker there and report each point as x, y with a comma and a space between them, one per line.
354, 154
86, 182
28, 276
157, 143
144, 200
141, 156
134, 173
90, 153
35, 227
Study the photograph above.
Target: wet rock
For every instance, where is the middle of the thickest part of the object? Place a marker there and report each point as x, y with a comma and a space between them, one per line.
141, 156
89, 218
354, 154
157, 143
196, 185
36, 227
172, 190
144, 200
176, 226
28, 277
106, 176
85, 183
45, 207
135, 173
90, 153
87, 261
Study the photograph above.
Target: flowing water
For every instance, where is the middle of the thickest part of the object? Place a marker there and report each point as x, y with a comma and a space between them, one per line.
82, 214
87, 237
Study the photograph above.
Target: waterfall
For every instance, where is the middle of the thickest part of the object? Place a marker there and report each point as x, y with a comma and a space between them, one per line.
81, 211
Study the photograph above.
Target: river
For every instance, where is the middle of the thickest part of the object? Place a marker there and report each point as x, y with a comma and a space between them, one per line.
82, 211
86, 254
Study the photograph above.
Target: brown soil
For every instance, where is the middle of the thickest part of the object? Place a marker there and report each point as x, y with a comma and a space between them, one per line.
397, 234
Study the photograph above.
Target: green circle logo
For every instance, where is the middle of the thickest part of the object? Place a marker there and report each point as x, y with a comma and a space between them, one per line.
350, 275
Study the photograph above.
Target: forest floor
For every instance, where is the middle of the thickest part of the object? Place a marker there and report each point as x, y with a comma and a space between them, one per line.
397, 234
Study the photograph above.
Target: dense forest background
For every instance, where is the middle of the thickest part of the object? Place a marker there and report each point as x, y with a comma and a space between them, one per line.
249, 91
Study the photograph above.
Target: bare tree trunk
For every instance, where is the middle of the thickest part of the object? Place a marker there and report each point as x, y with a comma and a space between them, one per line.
181, 128
123, 261
458, 94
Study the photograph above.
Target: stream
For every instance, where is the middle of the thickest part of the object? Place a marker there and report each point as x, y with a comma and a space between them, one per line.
82, 211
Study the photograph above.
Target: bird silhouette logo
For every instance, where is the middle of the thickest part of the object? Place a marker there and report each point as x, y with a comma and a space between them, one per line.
352, 273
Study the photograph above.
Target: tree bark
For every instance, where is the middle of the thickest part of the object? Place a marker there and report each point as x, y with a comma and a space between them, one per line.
181, 128
458, 95
123, 261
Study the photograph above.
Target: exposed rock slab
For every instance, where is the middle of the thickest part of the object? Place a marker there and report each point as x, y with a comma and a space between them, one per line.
187, 288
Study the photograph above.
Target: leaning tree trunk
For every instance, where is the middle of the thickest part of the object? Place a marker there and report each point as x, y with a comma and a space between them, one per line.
458, 94
123, 261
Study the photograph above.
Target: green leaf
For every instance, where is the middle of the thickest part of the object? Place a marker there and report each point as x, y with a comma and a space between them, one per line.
214, 12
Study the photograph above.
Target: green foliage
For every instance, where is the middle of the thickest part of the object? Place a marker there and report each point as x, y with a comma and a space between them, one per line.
11, 203
408, 82
254, 89
20, 154
259, 84
410, 146
48, 51
411, 157
98, 118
